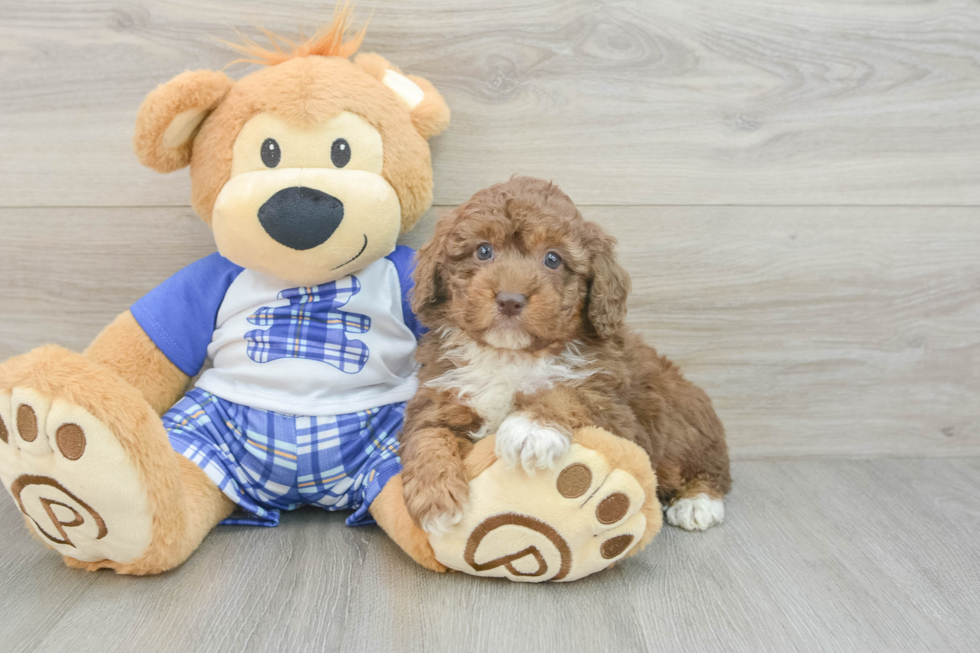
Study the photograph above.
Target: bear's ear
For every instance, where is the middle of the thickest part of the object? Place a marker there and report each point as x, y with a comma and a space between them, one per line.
430, 114
170, 115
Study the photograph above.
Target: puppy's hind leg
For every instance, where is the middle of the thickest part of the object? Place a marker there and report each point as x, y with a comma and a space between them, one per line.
694, 477
696, 507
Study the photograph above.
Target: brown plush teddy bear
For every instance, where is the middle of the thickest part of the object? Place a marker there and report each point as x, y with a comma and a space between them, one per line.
306, 171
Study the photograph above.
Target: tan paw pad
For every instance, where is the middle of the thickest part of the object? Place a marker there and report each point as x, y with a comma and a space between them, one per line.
69, 475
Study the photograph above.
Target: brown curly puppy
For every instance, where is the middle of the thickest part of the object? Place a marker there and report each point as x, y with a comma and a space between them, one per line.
526, 305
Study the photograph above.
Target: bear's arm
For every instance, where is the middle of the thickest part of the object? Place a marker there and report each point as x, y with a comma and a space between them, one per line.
162, 341
124, 348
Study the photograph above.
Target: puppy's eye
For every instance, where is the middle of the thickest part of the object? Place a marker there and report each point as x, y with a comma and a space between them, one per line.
484, 252
340, 152
552, 260
271, 153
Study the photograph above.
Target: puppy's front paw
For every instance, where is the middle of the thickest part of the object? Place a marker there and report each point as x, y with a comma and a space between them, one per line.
530, 443
437, 504
438, 523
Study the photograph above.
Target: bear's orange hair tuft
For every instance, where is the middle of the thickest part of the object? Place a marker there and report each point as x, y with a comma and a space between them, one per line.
329, 41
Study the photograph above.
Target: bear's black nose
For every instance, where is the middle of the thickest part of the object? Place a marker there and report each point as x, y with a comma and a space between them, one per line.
300, 217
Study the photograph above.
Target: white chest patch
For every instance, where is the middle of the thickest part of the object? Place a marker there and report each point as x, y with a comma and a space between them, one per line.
487, 379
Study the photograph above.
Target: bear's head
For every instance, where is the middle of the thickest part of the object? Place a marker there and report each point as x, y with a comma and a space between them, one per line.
307, 169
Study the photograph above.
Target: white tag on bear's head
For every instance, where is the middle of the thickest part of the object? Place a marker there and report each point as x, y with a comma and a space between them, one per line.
410, 92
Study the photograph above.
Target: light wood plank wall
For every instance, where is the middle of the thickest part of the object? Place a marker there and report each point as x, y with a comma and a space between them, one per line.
795, 185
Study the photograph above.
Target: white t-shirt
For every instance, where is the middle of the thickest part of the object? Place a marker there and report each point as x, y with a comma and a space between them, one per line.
332, 349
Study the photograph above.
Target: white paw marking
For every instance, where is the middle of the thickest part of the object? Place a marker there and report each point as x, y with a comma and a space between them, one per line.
442, 524
69, 474
530, 443
696, 513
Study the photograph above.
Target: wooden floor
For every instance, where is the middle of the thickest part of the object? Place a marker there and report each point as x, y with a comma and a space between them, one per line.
815, 556
796, 189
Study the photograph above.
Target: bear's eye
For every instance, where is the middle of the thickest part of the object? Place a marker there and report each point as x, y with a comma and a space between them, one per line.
340, 152
271, 153
484, 252
552, 260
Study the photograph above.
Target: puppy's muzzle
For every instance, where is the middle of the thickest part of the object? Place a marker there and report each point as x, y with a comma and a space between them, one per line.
300, 217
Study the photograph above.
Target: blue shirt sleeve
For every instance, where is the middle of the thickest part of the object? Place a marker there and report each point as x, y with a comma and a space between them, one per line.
179, 315
404, 260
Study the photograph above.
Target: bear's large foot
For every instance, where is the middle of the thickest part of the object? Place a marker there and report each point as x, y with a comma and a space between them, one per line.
597, 505
71, 478
88, 463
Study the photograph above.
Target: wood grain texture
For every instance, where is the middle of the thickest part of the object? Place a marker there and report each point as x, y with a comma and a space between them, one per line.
711, 102
847, 332
813, 556
826, 331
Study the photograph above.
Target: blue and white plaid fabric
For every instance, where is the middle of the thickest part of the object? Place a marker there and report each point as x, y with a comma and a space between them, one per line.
267, 462
311, 327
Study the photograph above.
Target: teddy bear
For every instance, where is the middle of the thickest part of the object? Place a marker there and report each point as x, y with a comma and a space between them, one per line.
307, 171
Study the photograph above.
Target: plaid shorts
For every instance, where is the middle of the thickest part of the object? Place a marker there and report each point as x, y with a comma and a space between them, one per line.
267, 462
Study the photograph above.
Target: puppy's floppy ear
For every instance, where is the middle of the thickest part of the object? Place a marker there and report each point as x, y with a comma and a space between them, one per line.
609, 284
430, 114
170, 115
430, 288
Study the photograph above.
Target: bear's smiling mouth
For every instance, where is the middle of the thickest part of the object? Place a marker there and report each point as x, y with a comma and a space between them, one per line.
364, 247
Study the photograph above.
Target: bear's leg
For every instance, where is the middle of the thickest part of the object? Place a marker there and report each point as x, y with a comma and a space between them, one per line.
389, 510
597, 505
87, 460
206, 507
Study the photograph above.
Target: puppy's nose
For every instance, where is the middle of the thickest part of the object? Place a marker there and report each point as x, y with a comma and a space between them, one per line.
511, 303
301, 218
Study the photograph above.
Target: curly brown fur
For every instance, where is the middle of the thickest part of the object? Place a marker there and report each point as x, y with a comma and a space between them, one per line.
566, 360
